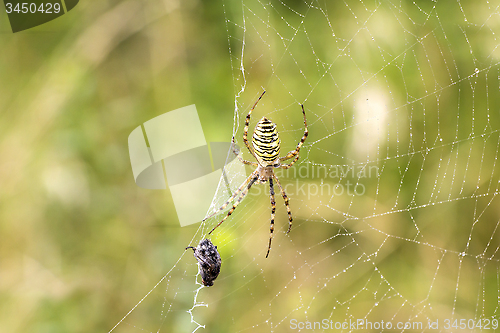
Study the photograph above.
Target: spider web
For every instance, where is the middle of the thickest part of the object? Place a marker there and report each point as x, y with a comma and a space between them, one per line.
394, 194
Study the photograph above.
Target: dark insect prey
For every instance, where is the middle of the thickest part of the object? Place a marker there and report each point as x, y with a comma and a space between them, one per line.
209, 261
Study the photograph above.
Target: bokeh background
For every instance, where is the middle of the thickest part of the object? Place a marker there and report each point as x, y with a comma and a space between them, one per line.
408, 87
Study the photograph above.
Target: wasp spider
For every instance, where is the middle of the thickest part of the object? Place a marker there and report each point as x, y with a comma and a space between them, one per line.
266, 148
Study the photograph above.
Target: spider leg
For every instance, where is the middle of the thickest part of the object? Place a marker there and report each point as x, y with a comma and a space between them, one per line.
273, 211
247, 121
235, 194
242, 195
198, 257
299, 145
233, 146
285, 197
204, 260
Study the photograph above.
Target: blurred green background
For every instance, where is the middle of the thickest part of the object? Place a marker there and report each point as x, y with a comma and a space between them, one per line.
408, 87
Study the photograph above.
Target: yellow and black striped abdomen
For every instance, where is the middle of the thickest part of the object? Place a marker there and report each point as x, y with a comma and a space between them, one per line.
266, 142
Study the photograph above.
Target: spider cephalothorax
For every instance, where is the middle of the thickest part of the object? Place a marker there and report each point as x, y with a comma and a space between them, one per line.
266, 148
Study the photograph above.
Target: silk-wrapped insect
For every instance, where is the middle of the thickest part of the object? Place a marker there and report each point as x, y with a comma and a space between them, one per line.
209, 261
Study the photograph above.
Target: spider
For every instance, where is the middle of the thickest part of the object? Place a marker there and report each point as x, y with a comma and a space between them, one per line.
266, 148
